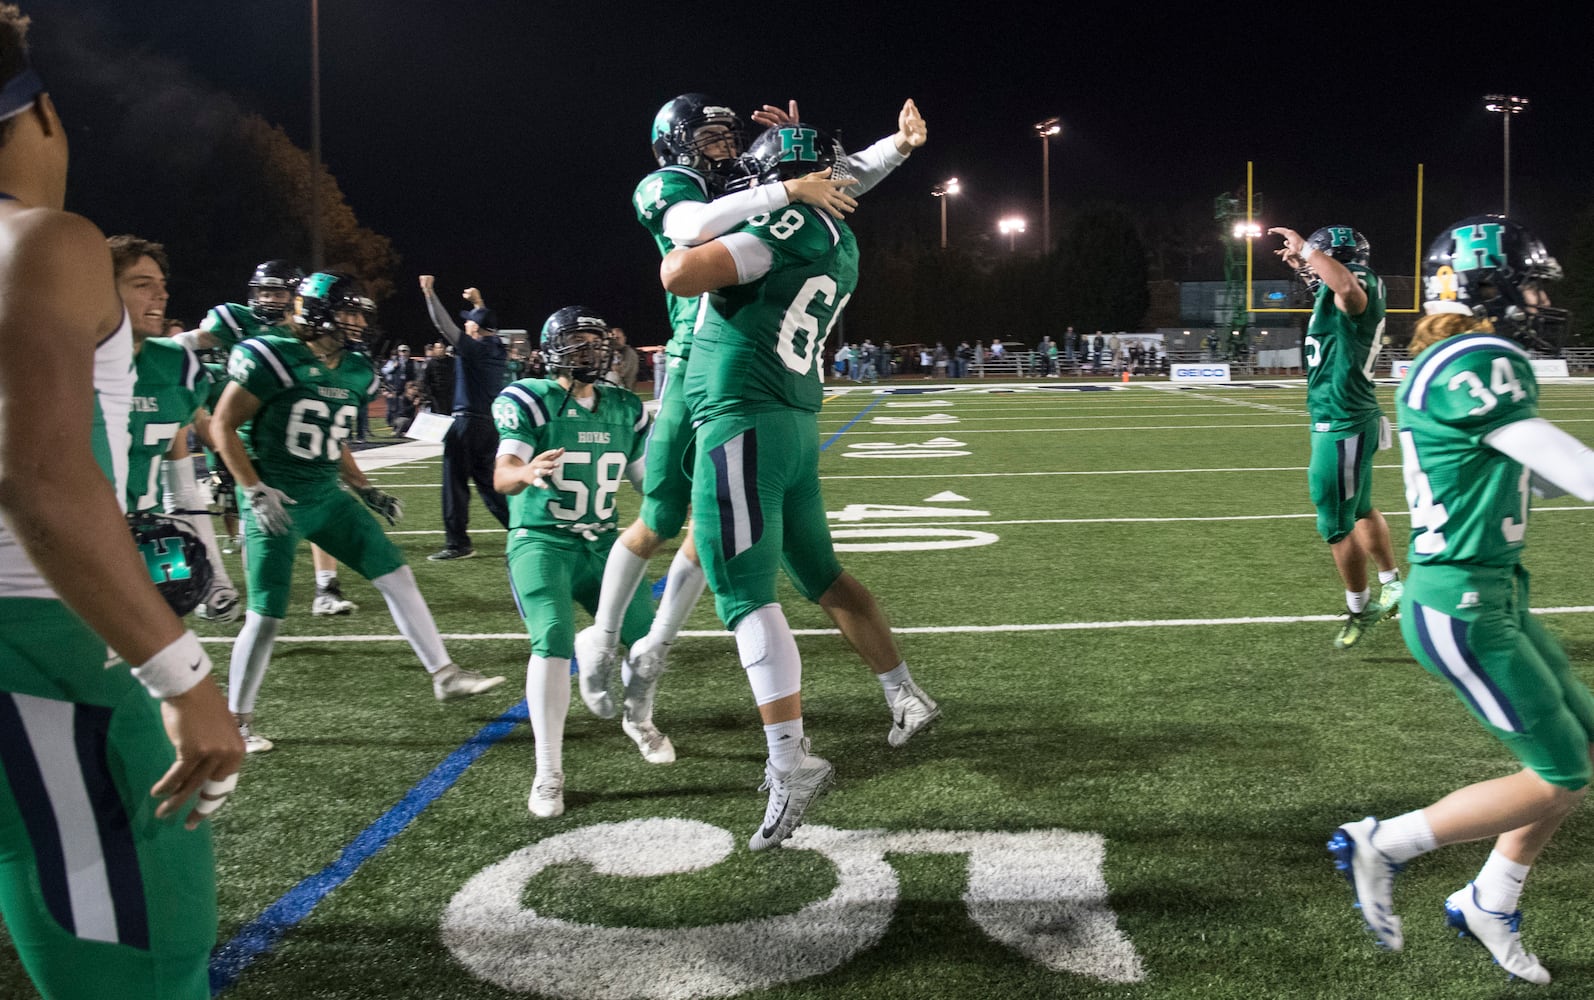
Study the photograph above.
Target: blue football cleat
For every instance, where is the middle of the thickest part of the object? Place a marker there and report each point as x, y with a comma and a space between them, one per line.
1372, 875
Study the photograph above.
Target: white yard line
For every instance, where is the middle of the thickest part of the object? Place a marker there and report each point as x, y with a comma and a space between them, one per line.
908, 630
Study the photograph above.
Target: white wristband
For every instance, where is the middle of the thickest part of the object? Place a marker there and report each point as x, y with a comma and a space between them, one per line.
1306, 252
175, 669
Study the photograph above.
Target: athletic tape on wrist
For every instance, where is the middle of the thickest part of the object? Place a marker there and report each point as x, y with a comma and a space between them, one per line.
214, 794
176, 668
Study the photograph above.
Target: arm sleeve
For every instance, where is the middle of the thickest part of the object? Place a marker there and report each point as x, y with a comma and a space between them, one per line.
752, 255
633, 474
873, 164
445, 324
689, 223
190, 340
1552, 454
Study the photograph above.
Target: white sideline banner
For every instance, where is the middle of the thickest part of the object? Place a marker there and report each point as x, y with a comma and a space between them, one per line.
1399, 369
1550, 368
1213, 373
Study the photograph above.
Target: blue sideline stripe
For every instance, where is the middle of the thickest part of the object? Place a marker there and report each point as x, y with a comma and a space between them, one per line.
849, 423
262, 934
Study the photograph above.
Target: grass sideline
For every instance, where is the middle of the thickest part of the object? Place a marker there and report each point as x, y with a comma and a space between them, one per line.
1214, 760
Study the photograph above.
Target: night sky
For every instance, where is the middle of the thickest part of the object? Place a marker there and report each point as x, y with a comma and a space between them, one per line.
498, 143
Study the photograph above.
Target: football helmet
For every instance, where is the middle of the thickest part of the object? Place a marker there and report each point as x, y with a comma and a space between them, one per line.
1342, 243
679, 139
175, 557
273, 275
576, 342
319, 300
783, 152
1487, 265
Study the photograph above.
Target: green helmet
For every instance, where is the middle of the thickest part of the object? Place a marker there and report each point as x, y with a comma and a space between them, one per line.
322, 297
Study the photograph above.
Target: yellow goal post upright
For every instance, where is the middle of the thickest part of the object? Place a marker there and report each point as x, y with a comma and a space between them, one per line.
1250, 249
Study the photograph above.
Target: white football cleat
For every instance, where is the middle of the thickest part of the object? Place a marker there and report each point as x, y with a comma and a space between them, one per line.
253, 741
330, 601
547, 798
790, 795
220, 605
1372, 875
655, 746
595, 661
454, 681
913, 711
1498, 932
648, 657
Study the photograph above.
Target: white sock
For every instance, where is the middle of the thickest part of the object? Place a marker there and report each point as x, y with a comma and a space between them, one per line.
785, 740
892, 680
769, 654
1388, 575
683, 585
413, 617
548, 703
1405, 837
1499, 883
325, 578
251, 655
1357, 601
622, 573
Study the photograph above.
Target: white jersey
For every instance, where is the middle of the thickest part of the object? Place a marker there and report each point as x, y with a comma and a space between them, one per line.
113, 396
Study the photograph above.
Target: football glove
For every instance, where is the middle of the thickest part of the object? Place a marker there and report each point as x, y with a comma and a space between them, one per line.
387, 505
220, 605
268, 504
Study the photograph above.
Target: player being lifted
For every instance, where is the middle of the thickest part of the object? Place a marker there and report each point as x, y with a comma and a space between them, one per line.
1473, 449
753, 391
683, 204
271, 288
281, 427
102, 895
564, 445
168, 396
1342, 343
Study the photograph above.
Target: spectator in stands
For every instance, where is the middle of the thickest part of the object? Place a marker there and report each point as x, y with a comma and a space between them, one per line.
964, 357
867, 358
1071, 348
843, 360
397, 374
1098, 345
401, 412
625, 361
939, 360
437, 379
1045, 353
886, 364
979, 359
471, 446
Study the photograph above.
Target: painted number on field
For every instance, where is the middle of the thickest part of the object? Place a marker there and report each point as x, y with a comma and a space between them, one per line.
941, 447
928, 418
1040, 893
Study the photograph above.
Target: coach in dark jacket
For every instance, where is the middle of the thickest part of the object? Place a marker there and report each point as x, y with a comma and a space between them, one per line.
471, 447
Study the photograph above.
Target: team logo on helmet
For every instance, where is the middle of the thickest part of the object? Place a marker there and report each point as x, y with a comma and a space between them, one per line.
1489, 266
784, 152
325, 303
175, 557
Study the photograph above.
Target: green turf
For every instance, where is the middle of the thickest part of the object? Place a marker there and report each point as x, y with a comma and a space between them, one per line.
1215, 759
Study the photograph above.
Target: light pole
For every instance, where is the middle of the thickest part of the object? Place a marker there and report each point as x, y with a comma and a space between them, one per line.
1045, 130
948, 187
317, 246
1506, 107
1010, 227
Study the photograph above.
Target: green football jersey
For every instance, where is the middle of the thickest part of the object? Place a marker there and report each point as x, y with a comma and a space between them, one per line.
1340, 351
231, 322
659, 191
758, 346
171, 385
307, 410
1469, 503
540, 415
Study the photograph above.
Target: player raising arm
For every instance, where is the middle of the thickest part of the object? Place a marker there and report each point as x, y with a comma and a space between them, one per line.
1473, 446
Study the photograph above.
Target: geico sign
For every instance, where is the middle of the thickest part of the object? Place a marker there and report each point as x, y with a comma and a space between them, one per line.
1199, 373
1041, 893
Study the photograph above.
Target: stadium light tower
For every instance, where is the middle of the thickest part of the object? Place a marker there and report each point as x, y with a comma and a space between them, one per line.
948, 187
1046, 131
1010, 227
1507, 107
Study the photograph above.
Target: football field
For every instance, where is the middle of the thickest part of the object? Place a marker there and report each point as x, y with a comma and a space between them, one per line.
1120, 600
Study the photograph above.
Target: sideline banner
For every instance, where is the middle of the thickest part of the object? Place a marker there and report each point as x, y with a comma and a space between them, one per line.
1550, 368
1212, 373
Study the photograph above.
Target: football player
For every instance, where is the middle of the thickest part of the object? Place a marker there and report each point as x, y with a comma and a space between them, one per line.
281, 427
564, 445
753, 391
1343, 339
168, 397
102, 895
271, 288
1473, 450
683, 203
